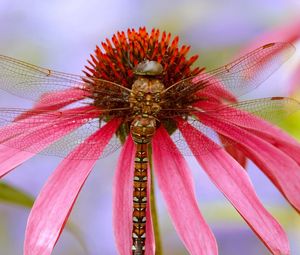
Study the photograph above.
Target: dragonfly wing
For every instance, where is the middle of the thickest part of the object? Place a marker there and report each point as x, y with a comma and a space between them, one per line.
240, 76
272, 109
244, 113
54, 133
66, 144
29, 81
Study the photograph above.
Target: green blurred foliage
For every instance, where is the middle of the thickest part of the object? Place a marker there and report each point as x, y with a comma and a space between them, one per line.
292, 125
11, 194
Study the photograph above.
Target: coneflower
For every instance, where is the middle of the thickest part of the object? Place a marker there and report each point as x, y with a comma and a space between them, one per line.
140, 92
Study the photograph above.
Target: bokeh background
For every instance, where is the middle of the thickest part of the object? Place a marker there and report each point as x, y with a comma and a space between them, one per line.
61, 34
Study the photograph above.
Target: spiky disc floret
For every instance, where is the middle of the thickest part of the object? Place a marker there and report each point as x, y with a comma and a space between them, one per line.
118, 57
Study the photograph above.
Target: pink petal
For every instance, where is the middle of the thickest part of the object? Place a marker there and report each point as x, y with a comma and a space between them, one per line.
14, 128
212, 107
234, 152
62, 98
18, 125
122, 198
22, 146
261, 128
53, 101
122, 203
233, 181
176, 184
54, 203
283, 171
213, 91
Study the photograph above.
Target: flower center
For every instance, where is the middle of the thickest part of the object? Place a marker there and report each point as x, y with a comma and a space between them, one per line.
116, 60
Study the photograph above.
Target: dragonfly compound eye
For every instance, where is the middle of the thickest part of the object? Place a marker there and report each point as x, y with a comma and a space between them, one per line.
148, 67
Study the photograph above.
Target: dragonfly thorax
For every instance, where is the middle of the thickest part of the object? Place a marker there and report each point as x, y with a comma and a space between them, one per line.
145, 98
145, 103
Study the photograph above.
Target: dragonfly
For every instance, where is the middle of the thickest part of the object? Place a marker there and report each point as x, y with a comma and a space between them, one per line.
143, 107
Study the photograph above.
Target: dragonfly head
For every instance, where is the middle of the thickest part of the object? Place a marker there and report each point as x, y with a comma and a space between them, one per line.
148, 67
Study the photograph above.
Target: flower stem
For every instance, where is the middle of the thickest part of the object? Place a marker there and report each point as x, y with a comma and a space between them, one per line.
158, 249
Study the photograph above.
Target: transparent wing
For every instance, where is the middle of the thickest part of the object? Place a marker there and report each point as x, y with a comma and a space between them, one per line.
73, 128
238, 77
64, 146
51, 133
29, 81
273, 110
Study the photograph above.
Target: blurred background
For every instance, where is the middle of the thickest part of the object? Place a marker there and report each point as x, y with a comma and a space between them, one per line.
61, 34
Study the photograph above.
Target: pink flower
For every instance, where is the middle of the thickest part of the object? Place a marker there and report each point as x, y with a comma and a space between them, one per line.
163, 102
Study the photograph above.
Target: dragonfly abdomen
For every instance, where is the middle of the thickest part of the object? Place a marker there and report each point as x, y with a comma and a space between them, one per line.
142, 131
139, 199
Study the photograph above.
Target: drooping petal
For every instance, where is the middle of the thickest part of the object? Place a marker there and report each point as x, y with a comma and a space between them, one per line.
21, 143
233, 181
61, 98
175, 182
213, 91
263, 129
10, 128
53, 205
237, 154
12, 158
12, 125
55, 100
212, 108
122, 203
282, 170
122, 198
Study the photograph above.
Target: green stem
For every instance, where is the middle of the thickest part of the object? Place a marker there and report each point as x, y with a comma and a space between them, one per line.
157, 237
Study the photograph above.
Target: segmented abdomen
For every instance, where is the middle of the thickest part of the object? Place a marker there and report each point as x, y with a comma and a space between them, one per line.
139, 199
